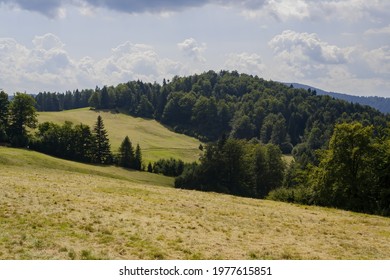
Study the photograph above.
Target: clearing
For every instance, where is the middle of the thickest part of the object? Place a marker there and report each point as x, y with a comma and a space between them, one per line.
156, 141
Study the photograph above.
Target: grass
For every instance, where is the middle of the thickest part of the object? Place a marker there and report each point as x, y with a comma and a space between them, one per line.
55, 209
156, 141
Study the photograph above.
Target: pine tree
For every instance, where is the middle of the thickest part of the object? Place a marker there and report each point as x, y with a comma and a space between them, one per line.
104, 98
102, 145
3, 115
138, 158
126, 156
150, 168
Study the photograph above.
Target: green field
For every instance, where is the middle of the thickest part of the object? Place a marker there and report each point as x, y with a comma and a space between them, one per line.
156, 141
56, 209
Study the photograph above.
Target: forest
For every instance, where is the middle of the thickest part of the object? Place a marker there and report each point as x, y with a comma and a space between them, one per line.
341, 150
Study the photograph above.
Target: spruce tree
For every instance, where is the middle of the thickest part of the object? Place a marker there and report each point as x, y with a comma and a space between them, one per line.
3, 116
102, 145
126, 157
138, 158
150, 168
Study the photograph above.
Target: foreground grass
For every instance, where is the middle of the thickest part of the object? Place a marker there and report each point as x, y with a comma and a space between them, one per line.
54, 209
156, 141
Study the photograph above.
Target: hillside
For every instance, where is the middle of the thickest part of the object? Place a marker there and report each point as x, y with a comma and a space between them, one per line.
65, 210
380, 103
155, 140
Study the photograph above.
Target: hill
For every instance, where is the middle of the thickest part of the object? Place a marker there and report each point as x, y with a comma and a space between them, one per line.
65, 210
156, 141
380, 103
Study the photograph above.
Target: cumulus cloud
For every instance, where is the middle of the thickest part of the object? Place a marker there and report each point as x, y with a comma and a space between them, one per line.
47, 42
303, 57
250, 63
308, 47
48, 66
193, 49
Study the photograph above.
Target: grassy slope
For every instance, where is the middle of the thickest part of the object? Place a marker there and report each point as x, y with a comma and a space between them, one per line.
155, 140
55, 209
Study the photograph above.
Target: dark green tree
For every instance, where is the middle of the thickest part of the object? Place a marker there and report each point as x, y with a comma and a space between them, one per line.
145, 108
22, 115
104, 98
94, 101
126, 157
102, 152
150, 168
138, 158
3, 116
83, 143
242, 127
346, 176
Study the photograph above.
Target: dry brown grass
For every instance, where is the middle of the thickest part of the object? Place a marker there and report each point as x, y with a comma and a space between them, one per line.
53, 211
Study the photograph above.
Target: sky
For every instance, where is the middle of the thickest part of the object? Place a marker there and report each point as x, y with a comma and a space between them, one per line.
58, 45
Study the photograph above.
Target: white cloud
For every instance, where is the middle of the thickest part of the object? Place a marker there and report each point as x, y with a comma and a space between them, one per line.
305, 57
305, 47
378, 31
48, 66
47, 42
250, 63
193, 49
352, 10
379, 60
282, 10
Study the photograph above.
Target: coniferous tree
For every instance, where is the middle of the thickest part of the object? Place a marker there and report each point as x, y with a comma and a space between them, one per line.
126, 157
94, 100
3, 116
102, 153
138, 158
150, 168
104, 98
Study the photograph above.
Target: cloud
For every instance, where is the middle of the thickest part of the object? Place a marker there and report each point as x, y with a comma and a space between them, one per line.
282, 10
193, 49
154, 6
44, 64
51, 8
378, 31
379, 60
250, 63
307, 47
47, 42
352, 10
48, 66
305, 57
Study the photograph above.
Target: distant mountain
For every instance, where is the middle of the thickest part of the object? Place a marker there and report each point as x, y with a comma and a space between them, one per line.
380, 103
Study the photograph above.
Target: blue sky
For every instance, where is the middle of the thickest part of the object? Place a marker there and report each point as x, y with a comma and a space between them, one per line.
58, 45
